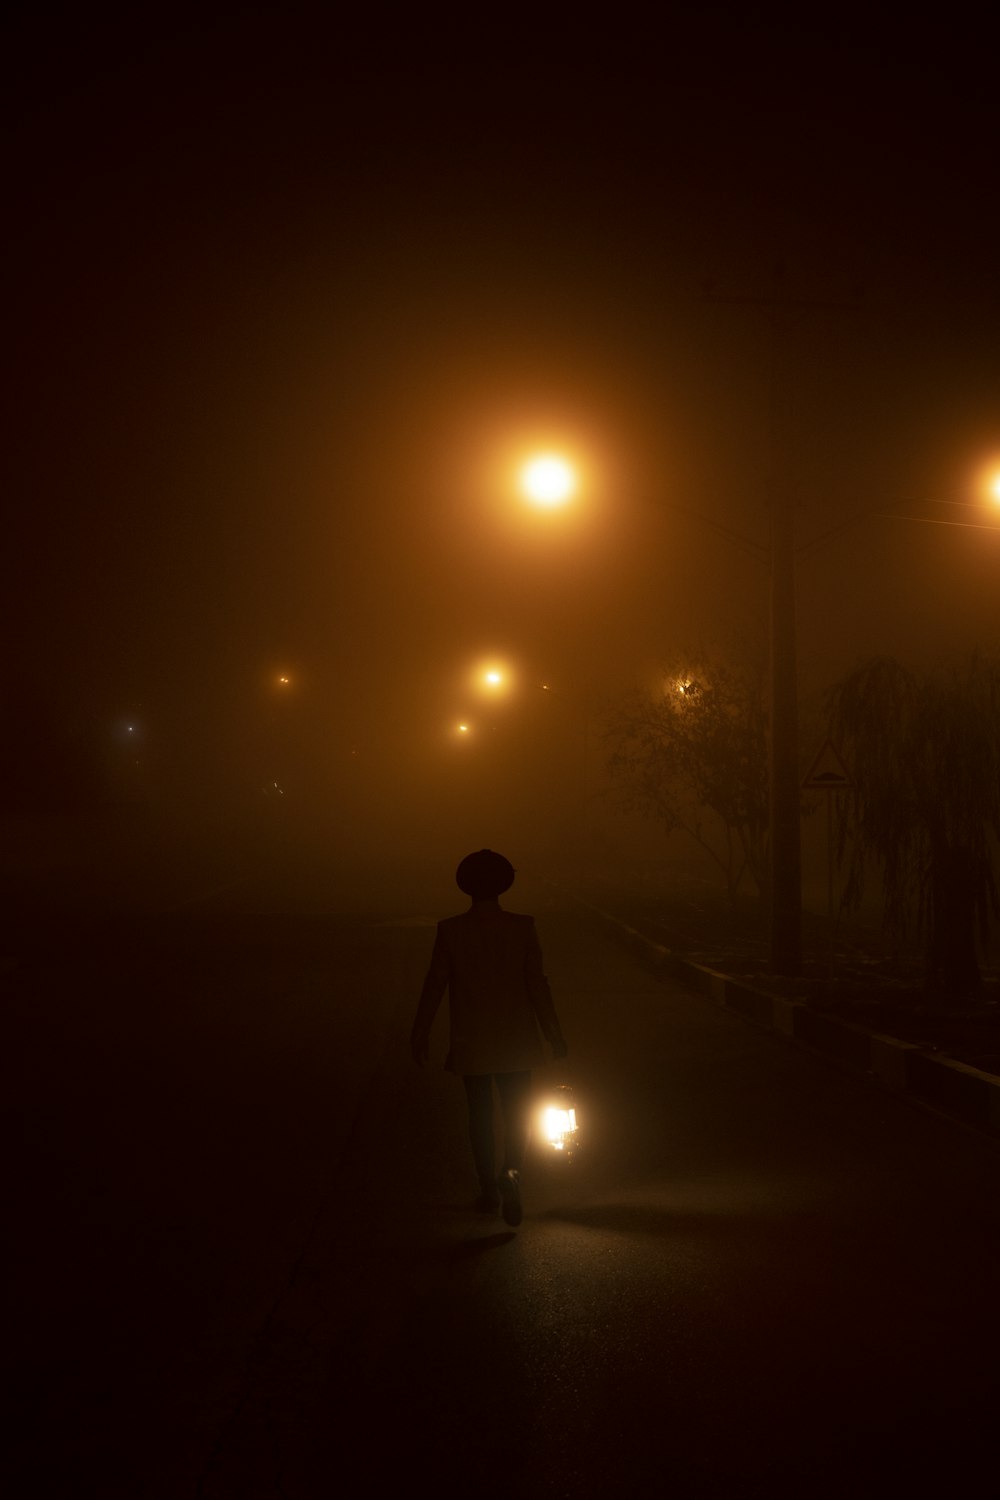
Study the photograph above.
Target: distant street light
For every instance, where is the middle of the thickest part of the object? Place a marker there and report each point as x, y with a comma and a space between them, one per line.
494, 676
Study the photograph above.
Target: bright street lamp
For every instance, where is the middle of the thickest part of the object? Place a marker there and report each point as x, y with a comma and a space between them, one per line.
548, 480
494, 677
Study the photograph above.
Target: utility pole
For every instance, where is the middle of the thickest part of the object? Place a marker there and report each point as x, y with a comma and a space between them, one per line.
785, 853
784, 802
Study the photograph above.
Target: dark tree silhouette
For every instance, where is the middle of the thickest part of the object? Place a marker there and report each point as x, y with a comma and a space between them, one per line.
924, 809
693, 754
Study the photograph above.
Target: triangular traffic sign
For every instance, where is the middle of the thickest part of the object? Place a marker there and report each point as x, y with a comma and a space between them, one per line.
827, 771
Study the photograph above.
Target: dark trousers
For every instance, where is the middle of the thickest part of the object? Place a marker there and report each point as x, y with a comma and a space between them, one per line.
515, 1091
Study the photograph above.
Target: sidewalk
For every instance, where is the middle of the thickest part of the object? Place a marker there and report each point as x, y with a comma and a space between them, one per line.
919, 1070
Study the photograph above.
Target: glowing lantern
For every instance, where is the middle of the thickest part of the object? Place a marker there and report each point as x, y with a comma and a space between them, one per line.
558, 1128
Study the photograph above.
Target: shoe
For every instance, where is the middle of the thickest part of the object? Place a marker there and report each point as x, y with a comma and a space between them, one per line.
487, 1203
509, 1183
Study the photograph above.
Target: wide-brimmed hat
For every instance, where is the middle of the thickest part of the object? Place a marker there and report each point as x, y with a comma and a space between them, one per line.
484, 873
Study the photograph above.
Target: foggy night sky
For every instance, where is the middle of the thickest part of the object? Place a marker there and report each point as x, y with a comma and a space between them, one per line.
284, 305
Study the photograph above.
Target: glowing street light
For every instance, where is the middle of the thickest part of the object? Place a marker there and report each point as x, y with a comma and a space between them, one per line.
494, 677
548, 480
985, 490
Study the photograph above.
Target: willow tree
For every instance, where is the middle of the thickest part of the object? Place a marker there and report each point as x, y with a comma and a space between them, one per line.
691, 752
924, 809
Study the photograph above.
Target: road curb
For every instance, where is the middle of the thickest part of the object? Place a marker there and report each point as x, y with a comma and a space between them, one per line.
956, 1089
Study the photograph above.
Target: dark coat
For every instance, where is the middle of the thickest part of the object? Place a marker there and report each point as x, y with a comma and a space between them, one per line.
490, 962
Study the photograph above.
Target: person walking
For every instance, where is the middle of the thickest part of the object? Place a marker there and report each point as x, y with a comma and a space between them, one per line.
490, 962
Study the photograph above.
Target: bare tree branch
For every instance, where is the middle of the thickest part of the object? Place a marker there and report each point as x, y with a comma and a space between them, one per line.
697, 746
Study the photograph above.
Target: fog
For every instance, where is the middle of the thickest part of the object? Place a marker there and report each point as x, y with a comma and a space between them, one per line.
289, 316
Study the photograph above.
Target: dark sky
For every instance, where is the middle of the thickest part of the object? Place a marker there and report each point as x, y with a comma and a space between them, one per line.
288, 302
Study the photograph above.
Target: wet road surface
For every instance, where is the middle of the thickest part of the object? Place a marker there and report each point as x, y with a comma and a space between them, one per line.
246, 1264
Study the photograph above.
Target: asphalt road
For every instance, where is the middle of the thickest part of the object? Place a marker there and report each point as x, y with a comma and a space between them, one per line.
245, 1266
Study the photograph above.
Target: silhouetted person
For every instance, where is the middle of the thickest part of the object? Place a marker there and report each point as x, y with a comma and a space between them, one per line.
490, 962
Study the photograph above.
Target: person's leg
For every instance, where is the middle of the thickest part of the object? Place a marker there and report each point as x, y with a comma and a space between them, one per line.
514, 1090
479, 1094
515, 1101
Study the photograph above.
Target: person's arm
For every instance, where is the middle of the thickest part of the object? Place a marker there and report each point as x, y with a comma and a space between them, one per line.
435, 984
540, 995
